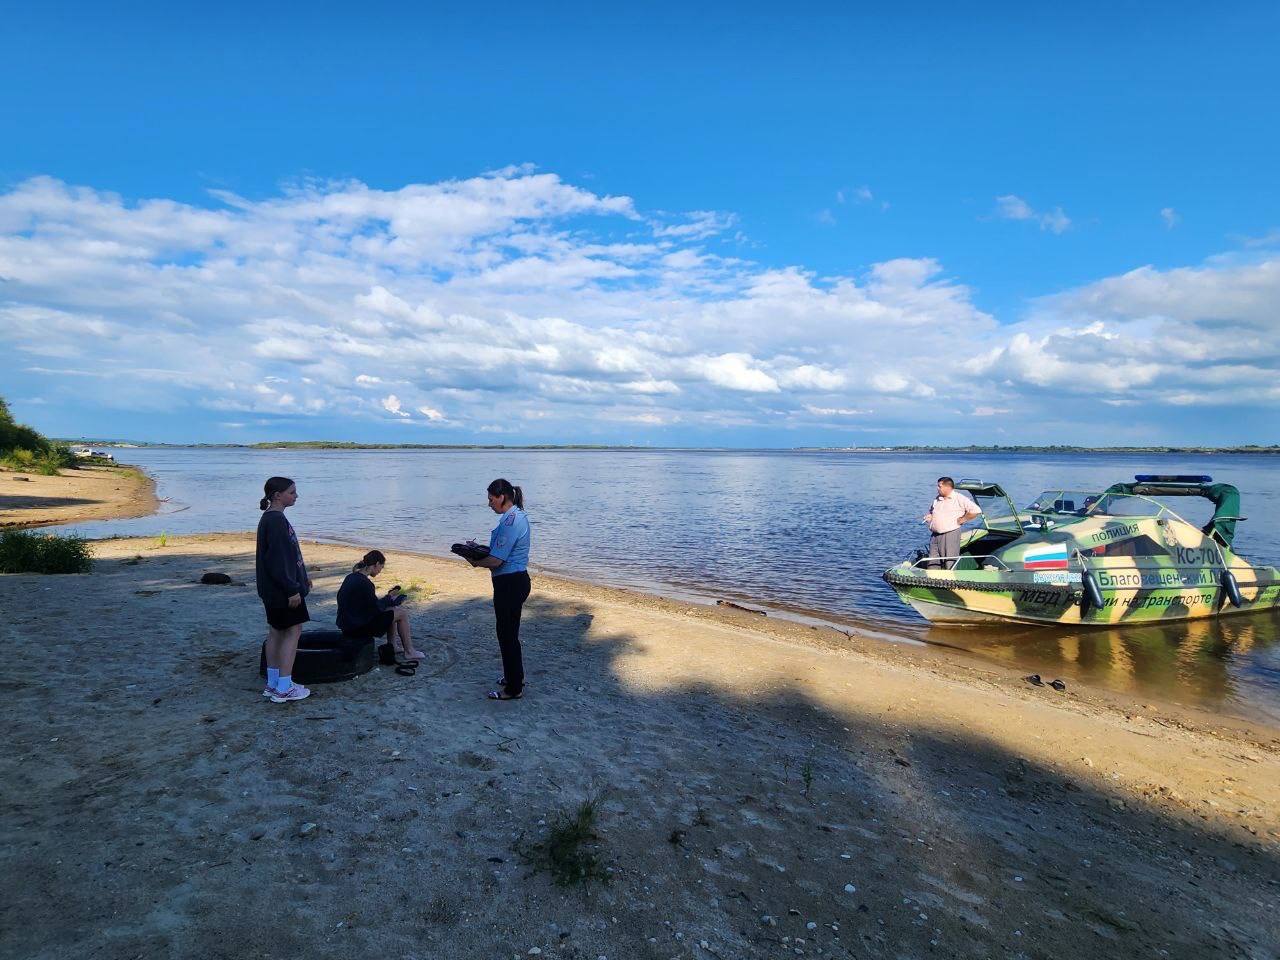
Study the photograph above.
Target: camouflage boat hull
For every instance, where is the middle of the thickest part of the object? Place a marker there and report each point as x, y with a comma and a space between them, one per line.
941, 596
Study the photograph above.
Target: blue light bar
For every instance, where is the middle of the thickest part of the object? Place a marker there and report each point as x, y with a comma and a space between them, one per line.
1172, 478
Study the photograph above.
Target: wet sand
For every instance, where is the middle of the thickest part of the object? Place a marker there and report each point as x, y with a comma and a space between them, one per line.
86, 493
753, 777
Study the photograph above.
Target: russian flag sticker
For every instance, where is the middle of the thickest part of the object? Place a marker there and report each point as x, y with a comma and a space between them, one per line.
1049, 557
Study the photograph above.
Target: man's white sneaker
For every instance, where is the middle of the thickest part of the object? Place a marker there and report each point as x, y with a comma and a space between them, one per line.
268, 691
295, 692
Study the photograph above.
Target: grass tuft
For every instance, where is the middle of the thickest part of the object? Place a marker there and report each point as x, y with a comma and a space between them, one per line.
416, 590
22, 551
569, 851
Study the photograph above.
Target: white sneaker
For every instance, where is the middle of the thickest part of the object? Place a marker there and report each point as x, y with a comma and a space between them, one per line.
268, 691
295, 692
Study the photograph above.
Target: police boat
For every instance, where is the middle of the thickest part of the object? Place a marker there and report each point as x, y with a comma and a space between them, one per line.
1091, 558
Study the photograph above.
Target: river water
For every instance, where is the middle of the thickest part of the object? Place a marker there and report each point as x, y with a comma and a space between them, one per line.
798, 531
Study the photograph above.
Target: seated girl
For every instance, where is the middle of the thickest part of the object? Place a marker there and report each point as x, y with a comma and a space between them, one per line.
362, 614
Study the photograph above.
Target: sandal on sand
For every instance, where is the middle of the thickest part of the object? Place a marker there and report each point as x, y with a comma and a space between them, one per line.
503, 695
407, 668
1034, 680
1058, 685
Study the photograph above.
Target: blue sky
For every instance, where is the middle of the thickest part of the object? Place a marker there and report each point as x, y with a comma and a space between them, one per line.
709, 193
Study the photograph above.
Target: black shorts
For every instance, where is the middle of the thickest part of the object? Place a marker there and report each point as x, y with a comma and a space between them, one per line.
377, 627
282, 618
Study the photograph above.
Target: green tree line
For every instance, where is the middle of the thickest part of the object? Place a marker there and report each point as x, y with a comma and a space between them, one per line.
23, 448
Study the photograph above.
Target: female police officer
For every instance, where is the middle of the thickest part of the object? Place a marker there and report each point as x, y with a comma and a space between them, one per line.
508, 561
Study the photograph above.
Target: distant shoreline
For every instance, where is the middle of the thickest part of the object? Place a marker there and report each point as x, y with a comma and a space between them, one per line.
1255, 449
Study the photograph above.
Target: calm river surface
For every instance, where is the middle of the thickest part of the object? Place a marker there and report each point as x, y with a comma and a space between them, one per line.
808, 532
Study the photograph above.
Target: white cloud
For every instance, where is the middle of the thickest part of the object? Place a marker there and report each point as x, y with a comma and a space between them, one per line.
1012, 207
697, 225
809, 376
1170, 217
650, 386
861, 195
280, 348
837, 411
518, 291
736, 371
1055, 221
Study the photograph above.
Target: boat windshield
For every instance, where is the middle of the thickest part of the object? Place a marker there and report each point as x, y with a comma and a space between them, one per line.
1082, 503
1065, 503
998, 513
1130, 505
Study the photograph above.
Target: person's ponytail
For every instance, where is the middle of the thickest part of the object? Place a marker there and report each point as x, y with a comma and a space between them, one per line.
503, 488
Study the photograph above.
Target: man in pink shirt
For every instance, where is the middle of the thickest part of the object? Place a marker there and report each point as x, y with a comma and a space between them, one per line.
950, 510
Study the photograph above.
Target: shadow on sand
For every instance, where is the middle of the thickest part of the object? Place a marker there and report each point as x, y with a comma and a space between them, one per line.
169, 812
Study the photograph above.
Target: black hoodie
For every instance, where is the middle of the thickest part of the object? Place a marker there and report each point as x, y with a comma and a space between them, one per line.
279, 569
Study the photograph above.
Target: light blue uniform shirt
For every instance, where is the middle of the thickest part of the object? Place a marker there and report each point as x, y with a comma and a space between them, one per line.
509, 542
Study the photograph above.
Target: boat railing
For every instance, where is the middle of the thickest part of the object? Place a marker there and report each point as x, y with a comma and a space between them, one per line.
966, 561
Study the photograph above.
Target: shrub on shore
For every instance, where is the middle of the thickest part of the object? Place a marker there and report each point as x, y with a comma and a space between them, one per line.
45, 462
22, 551
22, 448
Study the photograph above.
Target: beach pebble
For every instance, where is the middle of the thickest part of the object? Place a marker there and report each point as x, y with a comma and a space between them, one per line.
850, 888
534, 951
307, 829
811, 925
768, 921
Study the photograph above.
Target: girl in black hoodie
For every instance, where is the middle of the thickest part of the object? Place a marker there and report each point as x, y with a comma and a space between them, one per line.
283, 585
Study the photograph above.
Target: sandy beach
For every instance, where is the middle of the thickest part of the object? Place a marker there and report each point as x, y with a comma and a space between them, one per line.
763, 788
95, 492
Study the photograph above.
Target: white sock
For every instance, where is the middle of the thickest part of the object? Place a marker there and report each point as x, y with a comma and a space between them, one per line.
284, 683
273, 677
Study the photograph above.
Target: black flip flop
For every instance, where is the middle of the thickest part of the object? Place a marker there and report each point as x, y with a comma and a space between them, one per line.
408, 668
1058, 684
1034, 680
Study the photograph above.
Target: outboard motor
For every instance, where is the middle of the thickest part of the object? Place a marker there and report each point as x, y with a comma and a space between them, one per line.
1231, 588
